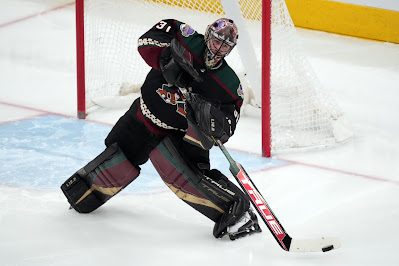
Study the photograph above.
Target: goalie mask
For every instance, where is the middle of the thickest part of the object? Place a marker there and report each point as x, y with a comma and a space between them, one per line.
220, 38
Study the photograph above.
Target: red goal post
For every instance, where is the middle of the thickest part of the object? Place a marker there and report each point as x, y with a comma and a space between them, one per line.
265, 76
80, 59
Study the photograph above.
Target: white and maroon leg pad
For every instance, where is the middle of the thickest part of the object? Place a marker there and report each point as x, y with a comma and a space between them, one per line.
188, 183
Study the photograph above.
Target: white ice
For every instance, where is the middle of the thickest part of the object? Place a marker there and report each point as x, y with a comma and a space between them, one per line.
350, 191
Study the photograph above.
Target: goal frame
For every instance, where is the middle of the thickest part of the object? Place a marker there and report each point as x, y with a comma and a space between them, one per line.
265, 70
80, 59
265, 76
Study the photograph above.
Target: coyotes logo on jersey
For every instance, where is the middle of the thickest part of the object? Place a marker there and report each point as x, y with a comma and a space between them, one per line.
173, 97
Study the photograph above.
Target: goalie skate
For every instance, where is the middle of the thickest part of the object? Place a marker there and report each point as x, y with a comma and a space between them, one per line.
246, 225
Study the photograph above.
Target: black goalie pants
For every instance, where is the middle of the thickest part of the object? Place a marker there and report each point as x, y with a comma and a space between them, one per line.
137, 141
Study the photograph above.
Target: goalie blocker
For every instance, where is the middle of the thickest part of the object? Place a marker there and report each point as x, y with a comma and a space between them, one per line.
99, 180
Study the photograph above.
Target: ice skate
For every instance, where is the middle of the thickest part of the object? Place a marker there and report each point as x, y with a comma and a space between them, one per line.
246, 225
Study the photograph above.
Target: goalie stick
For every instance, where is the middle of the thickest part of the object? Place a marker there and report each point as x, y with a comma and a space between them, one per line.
284, 240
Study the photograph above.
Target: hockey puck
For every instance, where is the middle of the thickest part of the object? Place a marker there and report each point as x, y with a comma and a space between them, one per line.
327, 248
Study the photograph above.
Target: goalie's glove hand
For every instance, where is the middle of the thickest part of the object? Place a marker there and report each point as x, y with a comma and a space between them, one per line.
209, 118
176, 64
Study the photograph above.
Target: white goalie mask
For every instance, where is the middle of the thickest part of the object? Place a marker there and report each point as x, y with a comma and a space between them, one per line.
220, 38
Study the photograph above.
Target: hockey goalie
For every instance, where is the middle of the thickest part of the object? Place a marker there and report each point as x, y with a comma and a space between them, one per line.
190, 97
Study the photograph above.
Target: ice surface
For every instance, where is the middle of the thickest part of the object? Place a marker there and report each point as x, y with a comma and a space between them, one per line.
350, 190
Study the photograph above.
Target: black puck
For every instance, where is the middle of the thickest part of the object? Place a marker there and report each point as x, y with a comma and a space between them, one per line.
327, 248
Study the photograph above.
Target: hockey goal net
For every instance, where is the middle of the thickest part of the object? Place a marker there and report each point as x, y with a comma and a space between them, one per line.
296, 112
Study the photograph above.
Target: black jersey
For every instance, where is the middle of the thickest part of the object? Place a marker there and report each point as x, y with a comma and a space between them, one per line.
163, 105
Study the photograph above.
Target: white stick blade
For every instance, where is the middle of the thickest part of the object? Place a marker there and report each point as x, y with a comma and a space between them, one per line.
316, 244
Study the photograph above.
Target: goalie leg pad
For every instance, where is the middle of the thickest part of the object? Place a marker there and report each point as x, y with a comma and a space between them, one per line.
236, 209
209, 192
99, 180
231, 216
187, 181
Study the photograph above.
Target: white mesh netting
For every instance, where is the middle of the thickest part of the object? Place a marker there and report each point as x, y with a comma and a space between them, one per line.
302, 114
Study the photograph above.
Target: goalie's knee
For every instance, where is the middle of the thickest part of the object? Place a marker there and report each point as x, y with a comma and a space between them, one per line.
99, 180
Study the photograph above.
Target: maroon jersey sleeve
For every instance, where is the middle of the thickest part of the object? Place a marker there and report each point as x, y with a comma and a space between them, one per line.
151, 43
